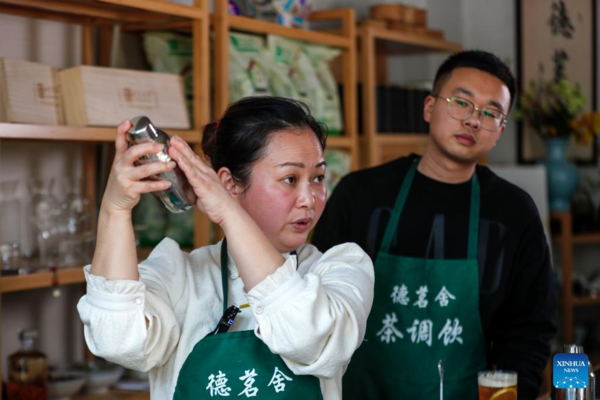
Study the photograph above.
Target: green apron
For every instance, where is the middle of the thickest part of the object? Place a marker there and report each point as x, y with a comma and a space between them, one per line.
424, 310
240, 365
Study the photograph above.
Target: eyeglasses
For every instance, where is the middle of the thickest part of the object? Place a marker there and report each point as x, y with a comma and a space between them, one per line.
461, 109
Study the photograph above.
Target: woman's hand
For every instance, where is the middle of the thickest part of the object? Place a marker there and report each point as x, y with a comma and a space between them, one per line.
211, 197
126, 181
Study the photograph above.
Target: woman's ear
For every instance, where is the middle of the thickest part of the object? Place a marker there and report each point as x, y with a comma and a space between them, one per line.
229, 184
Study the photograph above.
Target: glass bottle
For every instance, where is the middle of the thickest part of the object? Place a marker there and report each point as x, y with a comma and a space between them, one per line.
27, 372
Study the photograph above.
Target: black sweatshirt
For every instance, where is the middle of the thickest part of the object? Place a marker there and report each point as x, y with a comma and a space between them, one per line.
517, 299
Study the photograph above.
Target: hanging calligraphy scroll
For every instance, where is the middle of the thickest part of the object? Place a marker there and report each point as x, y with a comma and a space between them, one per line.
556, 38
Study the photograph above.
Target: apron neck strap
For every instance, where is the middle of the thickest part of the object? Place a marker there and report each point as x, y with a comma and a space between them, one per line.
474, 218
392, 226
224, 279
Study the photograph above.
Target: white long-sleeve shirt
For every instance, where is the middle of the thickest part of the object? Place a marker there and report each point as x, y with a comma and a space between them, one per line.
314, 315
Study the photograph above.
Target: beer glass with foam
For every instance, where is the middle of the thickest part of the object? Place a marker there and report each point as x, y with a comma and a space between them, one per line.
497, 385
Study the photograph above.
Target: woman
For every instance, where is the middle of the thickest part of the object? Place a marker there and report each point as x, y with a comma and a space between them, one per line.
306, 312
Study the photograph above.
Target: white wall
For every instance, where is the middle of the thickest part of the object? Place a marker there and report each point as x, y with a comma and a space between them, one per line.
491, 25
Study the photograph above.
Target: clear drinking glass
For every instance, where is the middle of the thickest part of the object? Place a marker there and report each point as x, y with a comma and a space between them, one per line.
46, 218
497, 385
10, 213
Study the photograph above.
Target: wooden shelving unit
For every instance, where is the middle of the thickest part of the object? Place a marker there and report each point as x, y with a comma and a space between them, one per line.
223, 23
566, 241
42, 279
76, 133
376, 44
113, 395
103, 15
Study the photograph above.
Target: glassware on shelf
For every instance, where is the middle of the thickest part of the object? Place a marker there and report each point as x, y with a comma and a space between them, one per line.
10, 258
46, 214
27, 370
74, 222
10, 213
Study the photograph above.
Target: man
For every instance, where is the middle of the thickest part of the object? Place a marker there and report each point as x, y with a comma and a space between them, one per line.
462, 267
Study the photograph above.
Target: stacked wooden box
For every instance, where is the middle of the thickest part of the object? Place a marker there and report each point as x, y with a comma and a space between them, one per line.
32, 93
97, 96
29, 93
402, 18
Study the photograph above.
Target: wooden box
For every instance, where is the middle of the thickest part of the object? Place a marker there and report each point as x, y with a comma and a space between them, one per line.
417, 30
29, 93
98, 96
387, 12
373, 23
414, 16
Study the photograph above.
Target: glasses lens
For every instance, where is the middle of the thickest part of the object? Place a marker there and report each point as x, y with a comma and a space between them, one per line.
459, 108
491, 119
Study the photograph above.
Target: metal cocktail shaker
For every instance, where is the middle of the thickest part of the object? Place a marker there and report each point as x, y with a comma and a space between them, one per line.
175, 198
589, 393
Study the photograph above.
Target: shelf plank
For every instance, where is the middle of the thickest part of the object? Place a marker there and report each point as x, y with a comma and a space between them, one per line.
161, 6
586, 301
400, 138
113, 10
77, 133
579, 238
263, 27
340, 142
85, 9
113, 395
38, 280
44, 14
411, 43
587, 238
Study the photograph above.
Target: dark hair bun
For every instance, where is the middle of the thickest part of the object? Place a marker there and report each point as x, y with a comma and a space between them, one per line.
209, 138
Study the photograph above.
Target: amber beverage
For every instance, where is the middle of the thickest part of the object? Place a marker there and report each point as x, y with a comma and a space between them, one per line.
27, 371
497, 385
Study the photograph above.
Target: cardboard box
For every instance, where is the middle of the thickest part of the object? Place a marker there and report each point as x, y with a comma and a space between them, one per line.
29, 93
98, 96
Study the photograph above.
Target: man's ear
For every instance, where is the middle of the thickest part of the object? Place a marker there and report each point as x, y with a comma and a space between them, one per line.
229, 184
428, 108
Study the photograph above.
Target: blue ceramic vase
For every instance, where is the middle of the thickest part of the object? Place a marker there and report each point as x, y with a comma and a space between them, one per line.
563, 176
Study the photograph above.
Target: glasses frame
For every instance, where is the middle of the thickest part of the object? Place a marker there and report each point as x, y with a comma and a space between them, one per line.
480, 110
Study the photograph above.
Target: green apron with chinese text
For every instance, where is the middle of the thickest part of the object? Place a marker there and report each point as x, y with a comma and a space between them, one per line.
424, 310
240, 365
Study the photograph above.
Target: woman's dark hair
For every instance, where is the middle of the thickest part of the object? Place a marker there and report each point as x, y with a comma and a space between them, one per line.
478, 59
240, 137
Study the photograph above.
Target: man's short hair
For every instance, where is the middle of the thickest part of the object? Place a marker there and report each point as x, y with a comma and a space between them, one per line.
481, 60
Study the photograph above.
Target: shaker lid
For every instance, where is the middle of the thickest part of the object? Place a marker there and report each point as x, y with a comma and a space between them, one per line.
572, 348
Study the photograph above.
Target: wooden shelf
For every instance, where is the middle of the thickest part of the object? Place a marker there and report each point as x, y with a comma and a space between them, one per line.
223, 23
389, 146
580, 238
585, 301
376, 44
39, 280
247, 24
76, 133
340, 142
113, 395
102, 11
408, 43
401, 138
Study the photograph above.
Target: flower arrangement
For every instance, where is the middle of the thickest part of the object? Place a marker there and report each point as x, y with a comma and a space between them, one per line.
554, 109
